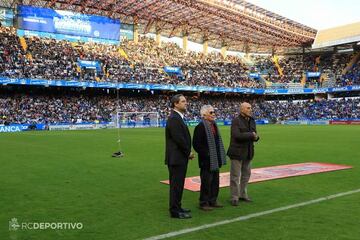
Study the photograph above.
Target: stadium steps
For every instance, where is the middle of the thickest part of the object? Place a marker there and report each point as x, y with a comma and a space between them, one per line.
350, 64
249, 63
328, 79
263, 82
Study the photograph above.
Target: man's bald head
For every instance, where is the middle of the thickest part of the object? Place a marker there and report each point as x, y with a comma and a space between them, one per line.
245, 109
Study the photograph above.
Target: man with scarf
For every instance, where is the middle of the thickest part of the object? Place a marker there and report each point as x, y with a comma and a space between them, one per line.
241, 152
208, 144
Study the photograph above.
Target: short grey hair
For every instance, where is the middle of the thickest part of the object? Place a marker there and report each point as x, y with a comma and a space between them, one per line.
204, 109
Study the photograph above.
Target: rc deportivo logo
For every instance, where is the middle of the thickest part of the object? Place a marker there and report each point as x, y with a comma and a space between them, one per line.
13, 224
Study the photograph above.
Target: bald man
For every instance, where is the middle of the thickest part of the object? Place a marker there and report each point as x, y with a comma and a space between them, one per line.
241, 152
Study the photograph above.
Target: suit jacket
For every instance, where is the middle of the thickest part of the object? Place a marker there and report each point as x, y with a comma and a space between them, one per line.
201, 146
177, 141
242, 138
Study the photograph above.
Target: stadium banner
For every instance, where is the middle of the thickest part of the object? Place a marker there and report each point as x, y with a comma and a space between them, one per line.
320, 90
81, 126
66, 22
59, 127
206, 89
126, 32
6, 17
344, 89
186, 88
318, 122
89, 64
173, 70
220, 123
113, 85
227, 122
21, 127
193, 123
312, 74
106, 85
249, 90
12, 128
289, 91
291, 122
306, 122
161, 87
224, 89
262, 121
59, 37
254, 75
344, 122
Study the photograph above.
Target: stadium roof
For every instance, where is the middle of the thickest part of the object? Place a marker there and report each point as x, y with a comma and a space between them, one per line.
239, 25
345, 34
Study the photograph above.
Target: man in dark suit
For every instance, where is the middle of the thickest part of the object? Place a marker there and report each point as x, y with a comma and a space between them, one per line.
208, 144
178, 152
241, 152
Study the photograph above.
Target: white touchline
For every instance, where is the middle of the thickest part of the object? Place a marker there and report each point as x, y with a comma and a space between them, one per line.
242, 218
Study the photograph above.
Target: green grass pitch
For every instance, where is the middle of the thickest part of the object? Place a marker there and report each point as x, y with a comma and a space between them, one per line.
69, 176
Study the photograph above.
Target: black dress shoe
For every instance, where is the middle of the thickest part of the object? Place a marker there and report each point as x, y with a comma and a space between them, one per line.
180, 215
185, 210
245, 199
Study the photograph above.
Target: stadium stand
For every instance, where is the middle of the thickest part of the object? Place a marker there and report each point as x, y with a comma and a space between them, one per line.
44, 106
142, 61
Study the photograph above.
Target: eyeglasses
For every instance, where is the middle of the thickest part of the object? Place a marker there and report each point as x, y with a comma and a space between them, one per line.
212, 112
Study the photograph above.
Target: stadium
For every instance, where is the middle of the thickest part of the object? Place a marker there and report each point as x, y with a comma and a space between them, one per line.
81, 80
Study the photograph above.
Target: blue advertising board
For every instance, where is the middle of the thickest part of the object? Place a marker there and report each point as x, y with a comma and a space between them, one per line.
21, 127
6, 17
172, 87
254, 75
172, 70
66, 22
313, 74
70, 38
89, 64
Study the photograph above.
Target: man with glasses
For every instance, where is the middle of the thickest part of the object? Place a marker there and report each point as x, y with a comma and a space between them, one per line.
241, 152
208, 144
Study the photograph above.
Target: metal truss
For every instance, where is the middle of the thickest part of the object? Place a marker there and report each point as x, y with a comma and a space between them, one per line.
234, 23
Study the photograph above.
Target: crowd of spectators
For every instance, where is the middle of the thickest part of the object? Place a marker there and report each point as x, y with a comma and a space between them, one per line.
12, 57
143, 62
294, 67
310, 109
352, 77
49, 108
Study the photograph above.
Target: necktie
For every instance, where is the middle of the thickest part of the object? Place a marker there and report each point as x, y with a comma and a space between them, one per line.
184, 119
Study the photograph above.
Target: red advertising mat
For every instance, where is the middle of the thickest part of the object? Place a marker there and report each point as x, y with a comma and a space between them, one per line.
269, 173
341, 122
